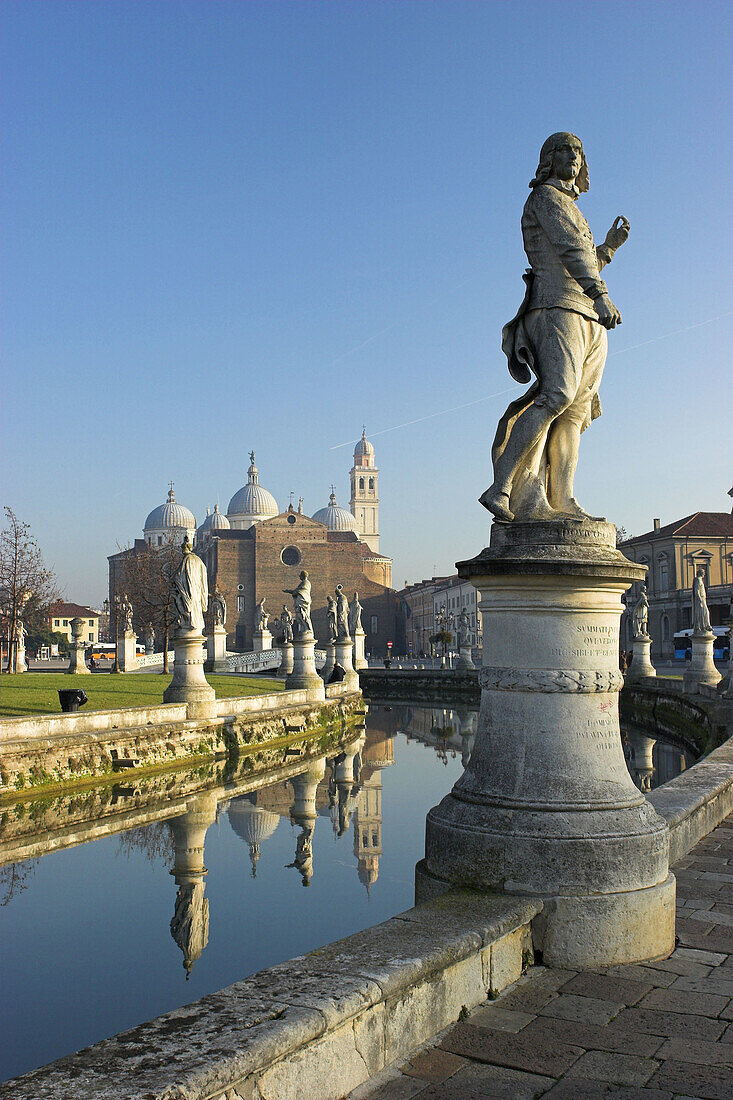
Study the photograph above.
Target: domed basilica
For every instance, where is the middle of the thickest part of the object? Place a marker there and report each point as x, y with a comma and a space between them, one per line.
257, 550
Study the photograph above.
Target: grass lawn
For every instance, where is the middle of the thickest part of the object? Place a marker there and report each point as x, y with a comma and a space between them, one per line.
37, 692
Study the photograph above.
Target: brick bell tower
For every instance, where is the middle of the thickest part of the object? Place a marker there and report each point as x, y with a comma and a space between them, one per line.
364, 502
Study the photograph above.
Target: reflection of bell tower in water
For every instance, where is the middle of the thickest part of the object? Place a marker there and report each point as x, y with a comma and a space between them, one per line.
378, 753
190, 922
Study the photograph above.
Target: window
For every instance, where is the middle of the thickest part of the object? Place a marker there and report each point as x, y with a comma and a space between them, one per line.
91, 637
375, 840
66, 622
91, 622
373, 624
160, 540
240, 603
57, 622
240, 588
371, 484
665, 628
291, 519
361, 483
663, 573
290, 555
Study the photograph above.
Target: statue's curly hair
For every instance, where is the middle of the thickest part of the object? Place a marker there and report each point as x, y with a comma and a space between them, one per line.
544, 168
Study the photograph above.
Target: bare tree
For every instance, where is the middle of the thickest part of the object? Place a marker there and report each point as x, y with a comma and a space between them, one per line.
145, 577
26, 586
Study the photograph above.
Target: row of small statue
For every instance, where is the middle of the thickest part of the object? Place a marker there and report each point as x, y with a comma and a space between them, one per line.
700, 612
344, 621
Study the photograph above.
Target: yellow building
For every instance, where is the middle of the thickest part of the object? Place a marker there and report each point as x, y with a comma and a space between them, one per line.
674, 554
60, 615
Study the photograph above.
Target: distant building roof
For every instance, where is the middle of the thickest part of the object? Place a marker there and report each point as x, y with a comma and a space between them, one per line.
717, 525
71, 610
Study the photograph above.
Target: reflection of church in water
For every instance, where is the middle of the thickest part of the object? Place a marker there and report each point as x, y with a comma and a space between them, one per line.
346, 788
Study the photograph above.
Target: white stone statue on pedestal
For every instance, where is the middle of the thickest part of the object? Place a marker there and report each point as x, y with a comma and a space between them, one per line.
150, 639
21, 665
218, 608
302, 599
559, 335
355, 615
342, 613
261, 616
331, 618
190, 592
286, 624
640, 616
700, 612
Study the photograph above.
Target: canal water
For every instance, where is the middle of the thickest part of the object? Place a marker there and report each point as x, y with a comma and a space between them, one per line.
103, 935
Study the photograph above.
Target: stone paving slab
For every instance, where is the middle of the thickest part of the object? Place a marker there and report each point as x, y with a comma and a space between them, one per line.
655, 1031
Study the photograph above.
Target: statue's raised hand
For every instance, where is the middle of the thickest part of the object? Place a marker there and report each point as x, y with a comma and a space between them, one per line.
618, 234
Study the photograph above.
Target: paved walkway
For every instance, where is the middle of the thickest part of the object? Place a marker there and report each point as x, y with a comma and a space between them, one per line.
650, 1032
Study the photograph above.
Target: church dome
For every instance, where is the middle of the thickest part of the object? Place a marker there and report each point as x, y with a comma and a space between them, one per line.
214, 521
252, 503
335, 518
169, 517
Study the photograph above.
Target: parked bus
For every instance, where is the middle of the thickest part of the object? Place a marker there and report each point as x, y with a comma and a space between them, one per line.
721, 645
105, 651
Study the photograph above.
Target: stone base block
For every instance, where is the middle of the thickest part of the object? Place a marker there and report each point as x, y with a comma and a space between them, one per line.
641, 666
584, 932
261, 641
701, 669
77, 664
360, 660
216, 651
465, 658
189, 685
343, 656
126, 655
304, 675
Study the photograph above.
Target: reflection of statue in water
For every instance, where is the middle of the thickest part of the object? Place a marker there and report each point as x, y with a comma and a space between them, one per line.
559, 335
302, 598
218, 608
304, 853
286, 623
700, 612
331, 618
342, 613
261, 616
190, 923
355, 615
640, 616
190, 590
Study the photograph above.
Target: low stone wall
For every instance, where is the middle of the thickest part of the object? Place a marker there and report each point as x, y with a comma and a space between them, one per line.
63, 749
317, 1026
699, 722
412, 685
696, 801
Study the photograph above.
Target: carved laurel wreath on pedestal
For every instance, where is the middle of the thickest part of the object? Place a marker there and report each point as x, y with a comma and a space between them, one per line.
550, 679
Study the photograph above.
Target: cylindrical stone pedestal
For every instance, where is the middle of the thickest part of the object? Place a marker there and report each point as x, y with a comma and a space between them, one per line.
546, 806
286, 660
189, 685
641, 666
77, 664
327, 668
261, 641
465, 658
216, 650
304, 673
360, 660
701, 669
344, 648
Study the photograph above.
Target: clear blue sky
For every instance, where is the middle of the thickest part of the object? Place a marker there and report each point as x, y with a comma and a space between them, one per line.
258, 225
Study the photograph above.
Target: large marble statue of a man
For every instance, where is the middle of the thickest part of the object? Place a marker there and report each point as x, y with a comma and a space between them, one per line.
355, 615
190, 590
559, 335
700, 612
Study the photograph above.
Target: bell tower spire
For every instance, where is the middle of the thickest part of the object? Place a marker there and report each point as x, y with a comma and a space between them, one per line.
364, 503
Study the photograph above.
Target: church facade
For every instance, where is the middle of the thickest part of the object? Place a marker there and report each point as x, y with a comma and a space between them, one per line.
256, 550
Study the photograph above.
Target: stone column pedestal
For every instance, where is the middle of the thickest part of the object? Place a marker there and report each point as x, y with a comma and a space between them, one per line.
189, 684
261, 641
304, 673
546, 807
641, 665
360, 660
344, 649
126, 655
465, 658
286, 659
216, 650
327, 668
701, 669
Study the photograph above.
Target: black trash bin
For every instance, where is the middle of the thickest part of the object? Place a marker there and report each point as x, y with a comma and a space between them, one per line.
71, 699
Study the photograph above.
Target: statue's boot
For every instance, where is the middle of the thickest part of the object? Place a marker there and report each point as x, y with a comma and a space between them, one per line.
570, 507
497, 501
